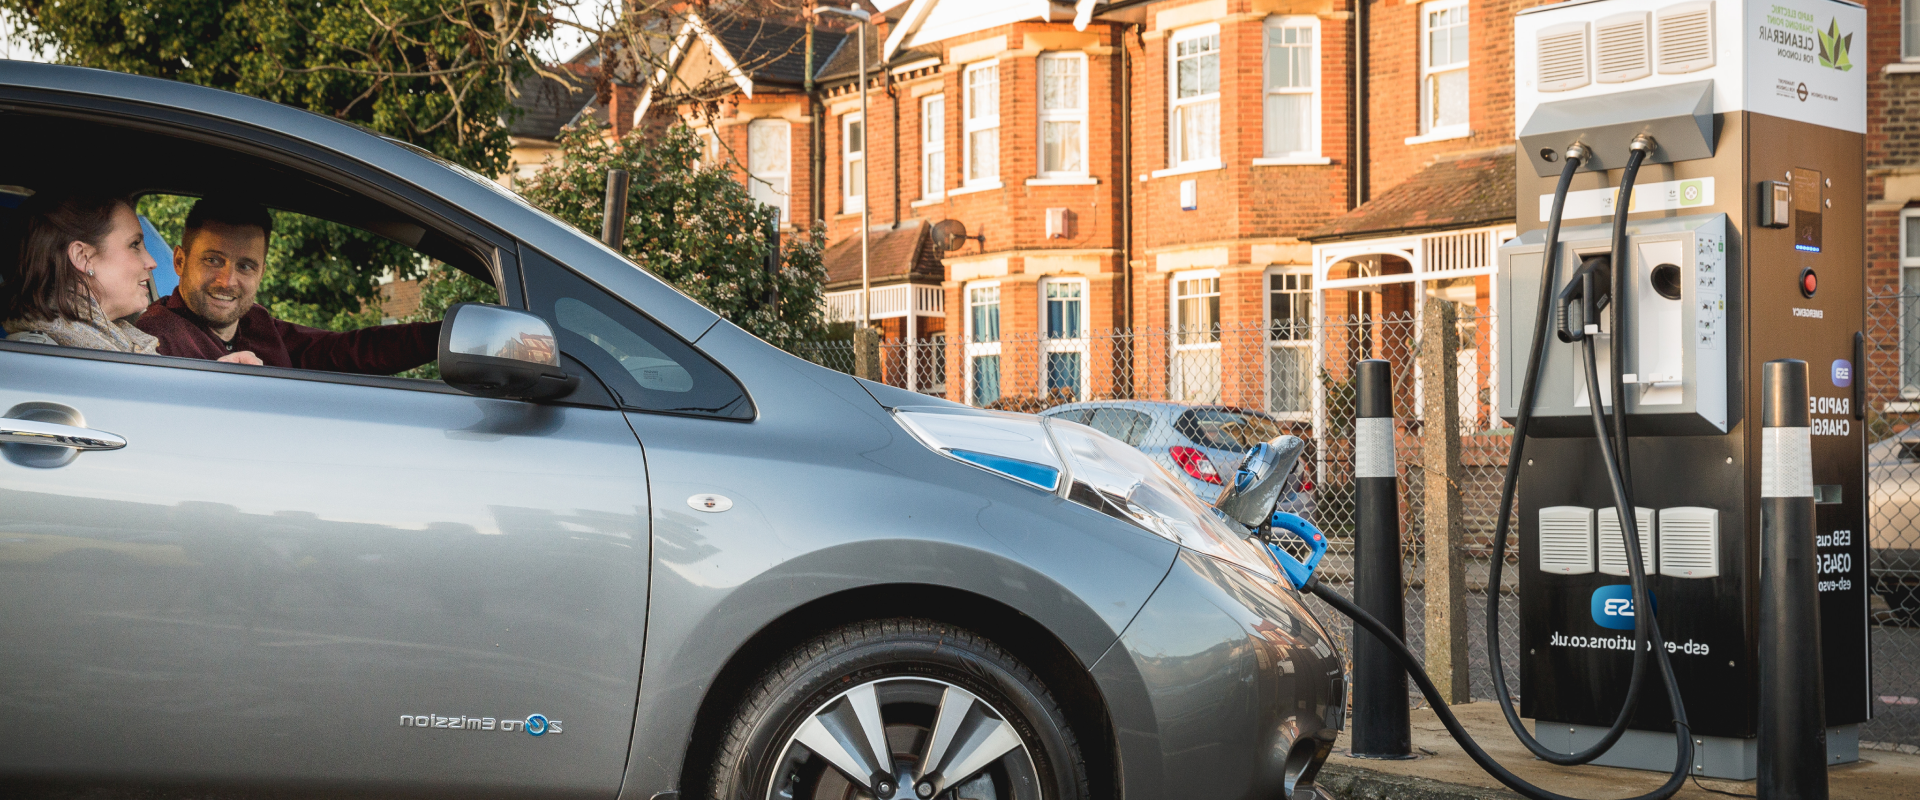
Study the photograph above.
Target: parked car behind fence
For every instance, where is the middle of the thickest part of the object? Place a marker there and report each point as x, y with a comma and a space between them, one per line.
1198, 444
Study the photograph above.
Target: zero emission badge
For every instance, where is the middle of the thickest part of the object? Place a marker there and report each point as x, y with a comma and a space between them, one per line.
533, 725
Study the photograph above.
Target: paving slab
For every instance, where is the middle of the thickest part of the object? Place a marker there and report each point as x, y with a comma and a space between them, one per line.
1442, 770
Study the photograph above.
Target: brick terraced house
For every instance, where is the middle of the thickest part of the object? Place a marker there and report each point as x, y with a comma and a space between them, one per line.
1169, 198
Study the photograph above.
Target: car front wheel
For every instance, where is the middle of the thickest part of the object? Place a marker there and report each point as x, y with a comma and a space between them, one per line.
907, 708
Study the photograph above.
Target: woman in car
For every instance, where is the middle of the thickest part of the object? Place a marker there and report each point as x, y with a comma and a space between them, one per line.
80, 277
80, 271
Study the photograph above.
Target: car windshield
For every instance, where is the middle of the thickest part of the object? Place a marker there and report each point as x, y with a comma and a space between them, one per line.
1226, 429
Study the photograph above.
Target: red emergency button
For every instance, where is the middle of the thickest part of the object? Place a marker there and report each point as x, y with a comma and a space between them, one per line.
1809, 283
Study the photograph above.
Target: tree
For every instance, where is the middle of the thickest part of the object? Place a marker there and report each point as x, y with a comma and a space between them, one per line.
694, 226
435, 74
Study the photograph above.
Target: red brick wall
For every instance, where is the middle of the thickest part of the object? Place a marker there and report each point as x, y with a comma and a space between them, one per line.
1393, 107
1893, 153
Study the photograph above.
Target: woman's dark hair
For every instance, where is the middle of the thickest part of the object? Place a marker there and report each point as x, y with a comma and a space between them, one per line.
42, 283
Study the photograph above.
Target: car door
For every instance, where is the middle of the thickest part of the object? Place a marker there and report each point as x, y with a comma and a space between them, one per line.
310, 579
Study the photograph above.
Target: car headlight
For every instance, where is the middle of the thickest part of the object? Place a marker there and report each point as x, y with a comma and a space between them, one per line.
1089, 468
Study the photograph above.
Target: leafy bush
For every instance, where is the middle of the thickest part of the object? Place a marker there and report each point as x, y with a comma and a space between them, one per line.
695, 227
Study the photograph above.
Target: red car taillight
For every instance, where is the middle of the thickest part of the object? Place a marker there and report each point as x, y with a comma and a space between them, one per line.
1195, 463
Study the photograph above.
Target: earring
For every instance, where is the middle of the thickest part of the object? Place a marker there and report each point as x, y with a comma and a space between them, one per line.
89, 272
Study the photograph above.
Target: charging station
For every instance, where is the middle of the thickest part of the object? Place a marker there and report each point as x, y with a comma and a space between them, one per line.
1744, 244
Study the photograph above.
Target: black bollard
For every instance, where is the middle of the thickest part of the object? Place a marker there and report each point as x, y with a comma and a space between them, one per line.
1380, 725
613, 221
1793, 705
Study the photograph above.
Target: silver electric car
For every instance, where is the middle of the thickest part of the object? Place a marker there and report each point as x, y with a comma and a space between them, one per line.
622, 549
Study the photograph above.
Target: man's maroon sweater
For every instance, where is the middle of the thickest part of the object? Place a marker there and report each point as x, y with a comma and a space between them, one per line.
382, 350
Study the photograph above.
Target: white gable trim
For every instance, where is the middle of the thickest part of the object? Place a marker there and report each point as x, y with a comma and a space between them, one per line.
682, 43
910, 30
909, 22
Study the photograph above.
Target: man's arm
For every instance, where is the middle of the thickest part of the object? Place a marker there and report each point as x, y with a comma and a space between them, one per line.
380, 350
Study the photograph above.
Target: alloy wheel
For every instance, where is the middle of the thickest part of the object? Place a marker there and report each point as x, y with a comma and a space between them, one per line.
905, 738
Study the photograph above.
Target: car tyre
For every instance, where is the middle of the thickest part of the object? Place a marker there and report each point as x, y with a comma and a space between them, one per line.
941, 693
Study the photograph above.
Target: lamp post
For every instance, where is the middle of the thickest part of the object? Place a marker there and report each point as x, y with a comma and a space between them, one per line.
866, 159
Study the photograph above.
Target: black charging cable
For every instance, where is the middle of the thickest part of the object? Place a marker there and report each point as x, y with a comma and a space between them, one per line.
1646, 628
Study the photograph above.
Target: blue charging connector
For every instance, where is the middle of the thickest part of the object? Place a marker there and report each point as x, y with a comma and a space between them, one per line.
1297, 572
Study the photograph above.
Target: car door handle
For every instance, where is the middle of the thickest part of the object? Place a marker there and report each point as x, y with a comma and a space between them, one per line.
50, 434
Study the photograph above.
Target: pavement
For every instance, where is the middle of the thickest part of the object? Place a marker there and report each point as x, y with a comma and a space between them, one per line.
1442, 770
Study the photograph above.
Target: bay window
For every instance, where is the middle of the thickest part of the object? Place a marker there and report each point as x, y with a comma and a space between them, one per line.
933, 146
1195, 109
1064, 315
1063, 114
1292, 109
983, 343
1196, 337
1443, 68
769, 163
853, 158
982, 129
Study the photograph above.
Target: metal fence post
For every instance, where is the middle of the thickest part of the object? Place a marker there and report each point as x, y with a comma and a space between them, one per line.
866, 353
1793, 708
613, 221
1445, 567
1380, 722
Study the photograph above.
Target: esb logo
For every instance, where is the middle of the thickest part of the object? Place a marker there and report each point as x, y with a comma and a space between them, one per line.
1613, 606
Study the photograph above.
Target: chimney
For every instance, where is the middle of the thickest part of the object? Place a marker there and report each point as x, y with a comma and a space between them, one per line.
626, 99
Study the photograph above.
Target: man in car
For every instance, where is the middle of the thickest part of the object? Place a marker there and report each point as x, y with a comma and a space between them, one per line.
221, 258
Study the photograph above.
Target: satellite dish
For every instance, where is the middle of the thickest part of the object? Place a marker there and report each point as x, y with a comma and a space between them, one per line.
951, 234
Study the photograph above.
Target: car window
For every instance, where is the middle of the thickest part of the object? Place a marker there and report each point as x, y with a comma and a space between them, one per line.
1124, 424
646, 367
1069, 414
1225, 429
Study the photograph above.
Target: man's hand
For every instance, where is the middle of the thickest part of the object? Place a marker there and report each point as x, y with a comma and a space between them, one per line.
242, 357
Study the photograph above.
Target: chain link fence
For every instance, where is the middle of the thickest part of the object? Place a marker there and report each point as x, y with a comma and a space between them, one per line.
1892, 373
1194, 399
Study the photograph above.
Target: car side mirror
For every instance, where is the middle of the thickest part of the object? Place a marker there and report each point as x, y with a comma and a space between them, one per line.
1249, 498
491, 351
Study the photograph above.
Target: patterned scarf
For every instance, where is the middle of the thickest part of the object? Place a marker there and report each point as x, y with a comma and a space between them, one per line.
96, 332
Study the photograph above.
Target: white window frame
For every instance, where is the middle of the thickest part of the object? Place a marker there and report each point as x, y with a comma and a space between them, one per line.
1178, 379
709, 148
1910, 30
759, 181
1176, 104
973, 349
1909, 293
1311, 153
1077, 115
1428, 130
972, 124
851, 160
933, 147
1305, 340
1073, 341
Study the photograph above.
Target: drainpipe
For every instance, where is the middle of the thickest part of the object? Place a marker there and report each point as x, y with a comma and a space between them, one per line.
1126, 177
815, 186
894, 92
1357, 175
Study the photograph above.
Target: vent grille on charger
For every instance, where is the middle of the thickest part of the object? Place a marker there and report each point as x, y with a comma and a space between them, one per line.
1690, 542
1613, 547
1563, 57
1686, 37
1625, 46
1566, 540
